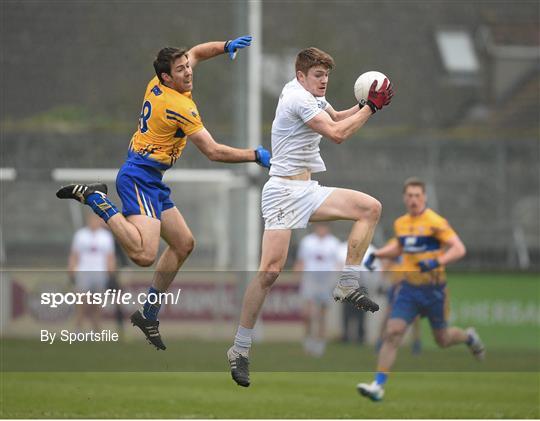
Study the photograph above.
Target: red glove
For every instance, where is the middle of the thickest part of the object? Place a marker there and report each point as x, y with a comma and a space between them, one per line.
377, 99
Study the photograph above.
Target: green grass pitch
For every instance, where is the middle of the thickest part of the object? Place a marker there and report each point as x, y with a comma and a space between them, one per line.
188, 380
272, 395
131, 380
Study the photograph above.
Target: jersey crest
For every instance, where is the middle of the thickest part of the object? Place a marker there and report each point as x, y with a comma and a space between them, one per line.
422, 237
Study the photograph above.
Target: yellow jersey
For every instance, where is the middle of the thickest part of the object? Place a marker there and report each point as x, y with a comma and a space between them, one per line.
422, 237
167, 118
393, 271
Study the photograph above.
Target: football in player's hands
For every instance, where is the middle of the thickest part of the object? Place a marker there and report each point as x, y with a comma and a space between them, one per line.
373, 89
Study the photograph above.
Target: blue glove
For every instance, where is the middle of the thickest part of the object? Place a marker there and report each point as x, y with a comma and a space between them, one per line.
369, 262
428, 265
236, 44
262, 157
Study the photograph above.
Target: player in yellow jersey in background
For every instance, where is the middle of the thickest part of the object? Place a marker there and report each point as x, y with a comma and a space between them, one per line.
426, 243
168, 119
392, 275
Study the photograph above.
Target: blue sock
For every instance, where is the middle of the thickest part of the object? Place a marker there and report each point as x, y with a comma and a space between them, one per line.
151, 310
380, 378
378, 345
469, 340
101, 205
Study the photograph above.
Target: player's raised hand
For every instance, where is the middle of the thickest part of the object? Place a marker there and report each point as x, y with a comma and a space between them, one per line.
232, 46
428, 265
262, 157
369, 262
379, 98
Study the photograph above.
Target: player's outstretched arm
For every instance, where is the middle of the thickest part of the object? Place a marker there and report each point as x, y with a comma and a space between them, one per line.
339, 131
208, 50
455, 250
223, 153
341, 115
389, 251
377, 99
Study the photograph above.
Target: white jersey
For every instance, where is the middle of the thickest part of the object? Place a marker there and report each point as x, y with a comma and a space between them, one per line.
319, 254
295, 146
92, 247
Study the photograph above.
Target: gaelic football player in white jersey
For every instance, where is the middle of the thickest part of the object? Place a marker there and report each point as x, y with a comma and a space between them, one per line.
318, 259
91, 263
291, 199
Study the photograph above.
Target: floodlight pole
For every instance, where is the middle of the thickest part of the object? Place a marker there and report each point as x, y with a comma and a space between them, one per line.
253, 231
253, 132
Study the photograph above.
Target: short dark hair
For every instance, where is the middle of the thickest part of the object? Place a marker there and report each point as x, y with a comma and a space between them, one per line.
165, 57
310, 57
414, 181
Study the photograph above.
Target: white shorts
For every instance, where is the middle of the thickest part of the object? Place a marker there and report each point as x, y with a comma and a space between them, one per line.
317, 286
288, 204
93, 281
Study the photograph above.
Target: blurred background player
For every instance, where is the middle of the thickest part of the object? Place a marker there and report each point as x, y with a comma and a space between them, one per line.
114, 284
91, 264
466, 122
290, 199
318, 259
168, 119
391, 276
427, 243
353, 320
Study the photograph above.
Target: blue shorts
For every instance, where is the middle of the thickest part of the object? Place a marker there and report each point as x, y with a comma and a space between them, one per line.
390, 293
429, 301
142, 192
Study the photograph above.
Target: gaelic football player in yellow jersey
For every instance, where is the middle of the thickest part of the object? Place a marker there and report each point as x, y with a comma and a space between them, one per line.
168, 119
426, 243
393, 276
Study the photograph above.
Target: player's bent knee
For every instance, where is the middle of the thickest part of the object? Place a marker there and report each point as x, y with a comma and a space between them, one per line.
374, 210
370, 210
442, 341
393, 334
185, 247
143, 259
189, 245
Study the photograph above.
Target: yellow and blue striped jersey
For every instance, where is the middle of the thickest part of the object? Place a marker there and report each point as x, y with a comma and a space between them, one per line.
167, 118
422, 237
394, 272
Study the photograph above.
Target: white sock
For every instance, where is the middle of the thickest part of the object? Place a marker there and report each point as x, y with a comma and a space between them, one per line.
242, 340
310, 345
321, 346
350, 276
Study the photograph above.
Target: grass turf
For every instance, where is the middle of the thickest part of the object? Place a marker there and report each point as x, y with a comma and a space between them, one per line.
187, 381
272, 395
